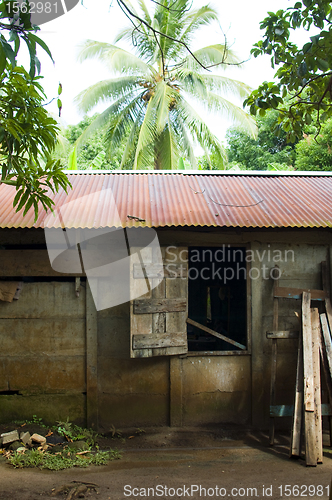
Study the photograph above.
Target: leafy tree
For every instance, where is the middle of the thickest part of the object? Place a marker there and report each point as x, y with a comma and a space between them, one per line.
267, 152
92, 153
314, 152
27, 132
149, 110
303, 87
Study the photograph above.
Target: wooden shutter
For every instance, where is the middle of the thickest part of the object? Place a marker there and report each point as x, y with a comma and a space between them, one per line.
158, 314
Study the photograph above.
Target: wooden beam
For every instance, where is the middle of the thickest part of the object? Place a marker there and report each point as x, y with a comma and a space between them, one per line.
152, 306
37, 263
317, 383
215, 334
283, 334
296, 293
309, 402
91, 361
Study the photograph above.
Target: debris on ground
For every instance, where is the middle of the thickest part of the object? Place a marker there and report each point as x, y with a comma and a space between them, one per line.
75, 489
62, 446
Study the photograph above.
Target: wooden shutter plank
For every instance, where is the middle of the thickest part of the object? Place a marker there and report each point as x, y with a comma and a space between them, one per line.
156, 340
156, 271
163, 332
139, 288
159, 305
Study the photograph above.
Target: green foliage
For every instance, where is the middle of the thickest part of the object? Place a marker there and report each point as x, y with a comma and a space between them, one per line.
27, 141
315, 153
91, 154
18, 26
149, 114
304, 75
267, 149
59, 461
27, 132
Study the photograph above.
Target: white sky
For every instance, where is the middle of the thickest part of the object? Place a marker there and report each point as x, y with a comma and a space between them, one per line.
98, 20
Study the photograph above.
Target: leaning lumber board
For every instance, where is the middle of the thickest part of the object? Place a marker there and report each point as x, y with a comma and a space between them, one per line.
309, 403
296, 293
315, 323
327, 341
326, 280
325, 368
215, 334
274, 352
295, 447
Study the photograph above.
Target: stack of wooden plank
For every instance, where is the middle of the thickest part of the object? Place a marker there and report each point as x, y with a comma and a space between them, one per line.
314, 358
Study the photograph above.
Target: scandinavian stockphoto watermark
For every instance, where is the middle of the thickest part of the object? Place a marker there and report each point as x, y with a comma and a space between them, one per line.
226, 263
41, 11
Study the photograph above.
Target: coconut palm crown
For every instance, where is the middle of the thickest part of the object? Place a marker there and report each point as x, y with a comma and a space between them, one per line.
151, 93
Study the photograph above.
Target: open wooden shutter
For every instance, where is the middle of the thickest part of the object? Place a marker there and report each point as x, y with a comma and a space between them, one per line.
158, 313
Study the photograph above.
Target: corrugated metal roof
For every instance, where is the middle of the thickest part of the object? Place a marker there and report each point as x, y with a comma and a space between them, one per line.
157, 199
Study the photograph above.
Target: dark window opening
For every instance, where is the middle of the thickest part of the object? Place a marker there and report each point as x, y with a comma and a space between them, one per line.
217, 297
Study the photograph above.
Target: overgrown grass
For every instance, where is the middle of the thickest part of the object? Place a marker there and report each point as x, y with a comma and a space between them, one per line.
63, 460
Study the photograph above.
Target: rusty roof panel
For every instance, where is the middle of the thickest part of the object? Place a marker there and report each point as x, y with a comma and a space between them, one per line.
176, 199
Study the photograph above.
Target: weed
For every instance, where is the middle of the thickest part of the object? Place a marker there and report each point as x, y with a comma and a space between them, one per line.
59, 461
76, 433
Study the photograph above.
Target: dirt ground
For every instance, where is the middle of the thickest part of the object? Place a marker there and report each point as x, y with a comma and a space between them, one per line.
174, 463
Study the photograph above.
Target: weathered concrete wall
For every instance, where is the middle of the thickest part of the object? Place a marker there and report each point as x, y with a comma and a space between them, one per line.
216, 389
42, 353
43, 342
132, 392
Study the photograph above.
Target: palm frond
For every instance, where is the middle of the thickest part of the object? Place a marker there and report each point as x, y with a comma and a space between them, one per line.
106, 90
210, 56
215, 102
101, 121
192, 21
146, 138
199, 129
199, 84
115, 59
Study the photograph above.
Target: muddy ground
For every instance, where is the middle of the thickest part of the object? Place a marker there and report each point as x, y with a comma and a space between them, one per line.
191, 463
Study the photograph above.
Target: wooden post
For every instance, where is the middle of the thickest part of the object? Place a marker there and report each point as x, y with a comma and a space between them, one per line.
274, 358
91, 361
309, 403
317, 383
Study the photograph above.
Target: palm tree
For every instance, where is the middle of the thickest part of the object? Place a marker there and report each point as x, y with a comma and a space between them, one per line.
151, 93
